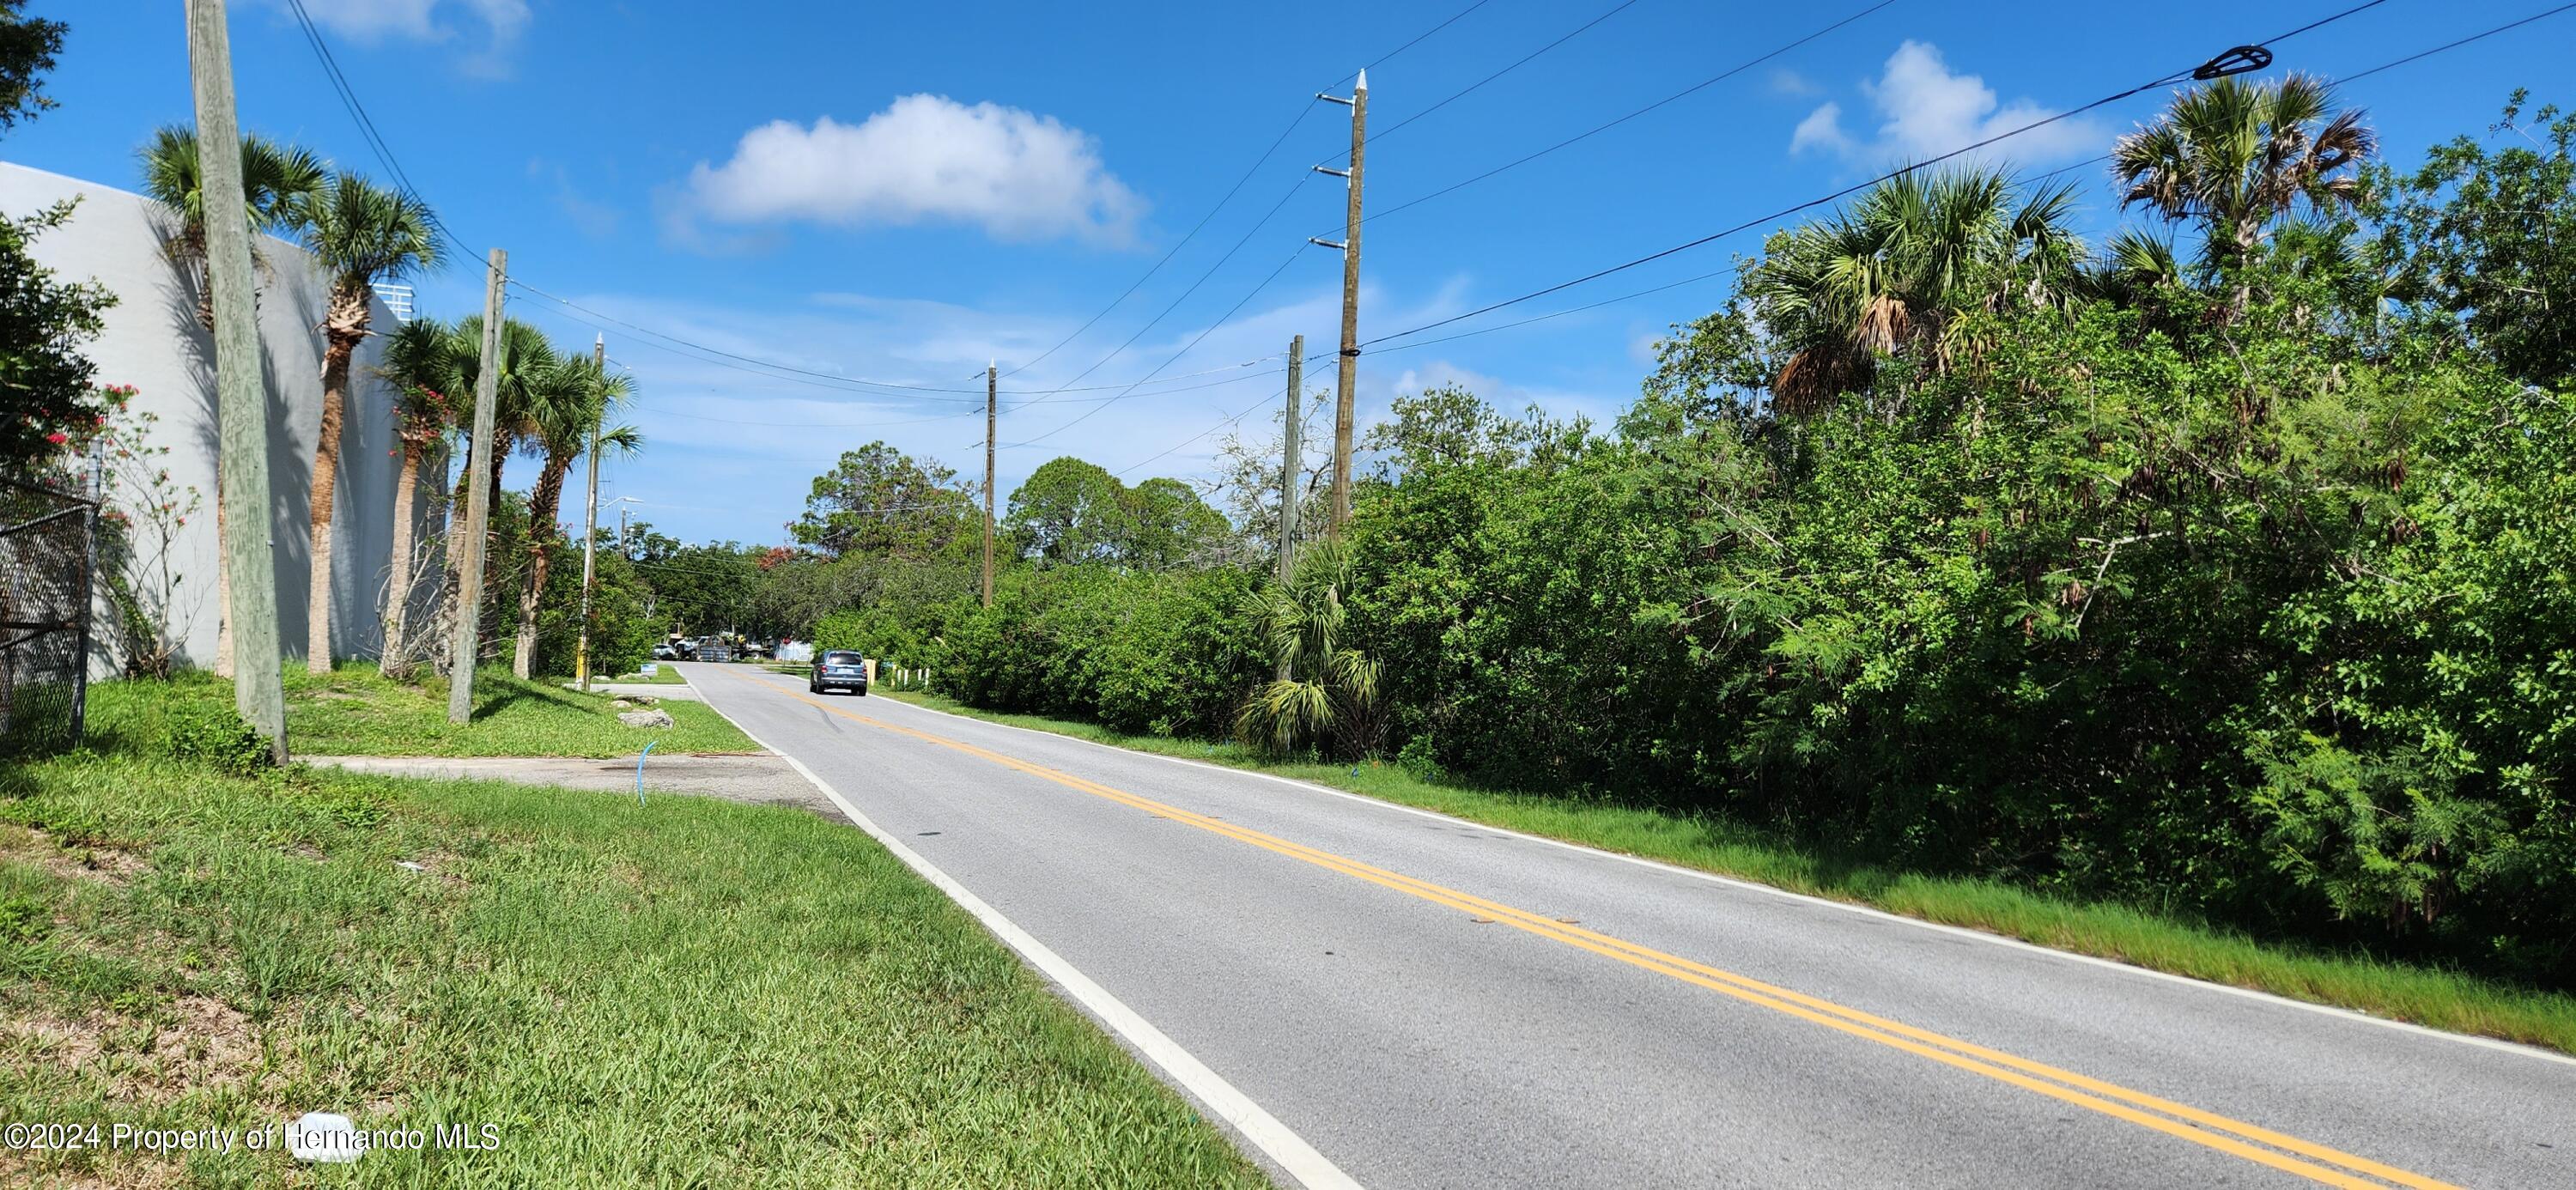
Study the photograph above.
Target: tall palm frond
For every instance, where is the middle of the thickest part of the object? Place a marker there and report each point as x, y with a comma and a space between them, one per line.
274, 178
1892, 273
363, 234
2238, 156
2135, 264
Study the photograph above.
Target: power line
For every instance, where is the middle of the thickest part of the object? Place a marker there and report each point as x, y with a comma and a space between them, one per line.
1722, 272
2087, 162
1417, 40
1132, 287
1175, 303
1524, 60
1239, 415
383, 151
1291, 192
863, 425
827, 381
1596, 130
2457, 44
567, 303
2391, 65
1228, 197
1175, 356
1845, 192
367, 131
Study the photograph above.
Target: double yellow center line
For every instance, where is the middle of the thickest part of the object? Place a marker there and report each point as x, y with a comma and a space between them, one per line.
2316, 1162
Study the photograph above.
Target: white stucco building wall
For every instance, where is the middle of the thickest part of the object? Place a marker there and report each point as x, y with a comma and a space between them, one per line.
154, 342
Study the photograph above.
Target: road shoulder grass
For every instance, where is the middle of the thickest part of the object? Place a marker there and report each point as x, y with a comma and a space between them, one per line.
690, 992
355, 711
2436, 998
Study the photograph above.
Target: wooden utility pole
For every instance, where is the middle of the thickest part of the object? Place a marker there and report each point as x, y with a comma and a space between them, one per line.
590, 520
992, 393
1289, 473
1344, 401
478, 503
250, 565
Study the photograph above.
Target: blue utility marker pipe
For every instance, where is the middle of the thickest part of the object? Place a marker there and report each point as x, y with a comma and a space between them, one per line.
639, 771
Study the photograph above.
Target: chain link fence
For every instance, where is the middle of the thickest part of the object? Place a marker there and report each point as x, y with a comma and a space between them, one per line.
48, 552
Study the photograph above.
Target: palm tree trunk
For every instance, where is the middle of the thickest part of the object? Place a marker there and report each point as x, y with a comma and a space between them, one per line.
492, 557
347, 328
543, 504
392, 660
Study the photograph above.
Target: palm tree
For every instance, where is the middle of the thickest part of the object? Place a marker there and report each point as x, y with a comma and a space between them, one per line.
527, 360
571, 399
2238, 156
420, 361
1892, 274
1303, 620
272, 176
360, 234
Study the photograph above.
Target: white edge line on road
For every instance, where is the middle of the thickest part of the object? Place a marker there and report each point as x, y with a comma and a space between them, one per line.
2492, 1043
1277, 1141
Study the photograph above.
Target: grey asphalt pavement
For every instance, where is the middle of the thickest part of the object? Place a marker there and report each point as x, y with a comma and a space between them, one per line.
1432, 1003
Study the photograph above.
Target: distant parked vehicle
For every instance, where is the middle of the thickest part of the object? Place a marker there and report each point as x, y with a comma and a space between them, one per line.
841, 668
664, 652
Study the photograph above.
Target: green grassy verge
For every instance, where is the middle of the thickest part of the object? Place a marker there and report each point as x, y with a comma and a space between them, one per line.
693, 992
665, 676
2441, 999
354, 711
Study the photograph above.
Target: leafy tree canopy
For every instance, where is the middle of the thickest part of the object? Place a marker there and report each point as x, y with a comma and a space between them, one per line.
879, 500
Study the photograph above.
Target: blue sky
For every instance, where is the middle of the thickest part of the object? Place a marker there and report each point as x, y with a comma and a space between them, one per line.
901, 192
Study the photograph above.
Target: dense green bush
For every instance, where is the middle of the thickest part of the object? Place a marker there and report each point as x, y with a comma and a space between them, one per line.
2240, 585
1515, 586
211, 732
1168, 654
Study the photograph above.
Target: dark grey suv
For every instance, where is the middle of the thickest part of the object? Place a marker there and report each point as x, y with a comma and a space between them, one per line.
839, 668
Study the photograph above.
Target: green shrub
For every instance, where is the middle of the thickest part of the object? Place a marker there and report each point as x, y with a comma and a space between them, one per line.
1169, 654
206, 732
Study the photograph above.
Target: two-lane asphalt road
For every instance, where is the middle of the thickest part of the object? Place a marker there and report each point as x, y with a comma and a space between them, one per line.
1407, 1000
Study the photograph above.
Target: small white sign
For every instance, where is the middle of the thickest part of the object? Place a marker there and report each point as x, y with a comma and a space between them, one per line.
650, 668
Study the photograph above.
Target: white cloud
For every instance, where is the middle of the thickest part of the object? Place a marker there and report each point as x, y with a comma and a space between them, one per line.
1785, 81
925, 158
1928, 111
372, 22
1822, 129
